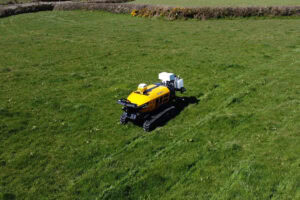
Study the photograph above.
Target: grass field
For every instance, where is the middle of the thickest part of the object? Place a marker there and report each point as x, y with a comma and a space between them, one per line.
220, 2
60, 138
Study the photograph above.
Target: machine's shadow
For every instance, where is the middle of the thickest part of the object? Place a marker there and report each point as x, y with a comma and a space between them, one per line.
180, 104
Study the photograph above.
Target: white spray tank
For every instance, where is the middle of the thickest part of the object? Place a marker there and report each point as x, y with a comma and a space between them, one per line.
171, 79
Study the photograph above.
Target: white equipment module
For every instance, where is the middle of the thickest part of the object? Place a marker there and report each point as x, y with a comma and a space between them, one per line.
170, 79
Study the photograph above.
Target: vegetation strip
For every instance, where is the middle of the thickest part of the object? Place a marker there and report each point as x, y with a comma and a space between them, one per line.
153, 11
6, 11
218, 3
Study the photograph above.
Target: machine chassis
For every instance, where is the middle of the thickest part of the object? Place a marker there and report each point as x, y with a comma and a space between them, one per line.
150, 119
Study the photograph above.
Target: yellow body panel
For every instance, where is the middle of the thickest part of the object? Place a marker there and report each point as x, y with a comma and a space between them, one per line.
155, 96
138, 99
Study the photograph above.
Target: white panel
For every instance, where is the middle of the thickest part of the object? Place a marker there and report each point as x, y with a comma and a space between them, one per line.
164, 76
179, 84
142, 85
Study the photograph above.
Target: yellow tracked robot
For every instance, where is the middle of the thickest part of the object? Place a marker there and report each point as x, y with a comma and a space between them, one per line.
153, 103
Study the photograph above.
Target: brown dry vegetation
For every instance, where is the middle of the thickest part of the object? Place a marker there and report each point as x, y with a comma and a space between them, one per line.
150, 11
9, 10
13, 2
6, 11
108, 1
217, 12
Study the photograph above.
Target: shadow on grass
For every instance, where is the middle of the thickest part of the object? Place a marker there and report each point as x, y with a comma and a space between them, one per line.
9, 196
180, 104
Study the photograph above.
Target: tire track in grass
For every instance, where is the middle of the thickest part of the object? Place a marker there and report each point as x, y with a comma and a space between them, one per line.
175, 144
210, 116
138, 172
205, 120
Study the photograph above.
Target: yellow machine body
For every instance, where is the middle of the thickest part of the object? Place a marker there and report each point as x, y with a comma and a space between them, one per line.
152, 96
152, 104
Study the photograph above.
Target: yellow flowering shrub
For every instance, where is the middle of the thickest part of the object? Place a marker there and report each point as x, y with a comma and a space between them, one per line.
134, 12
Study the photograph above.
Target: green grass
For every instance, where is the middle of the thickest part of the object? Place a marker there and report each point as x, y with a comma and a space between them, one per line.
60, 138
220, 2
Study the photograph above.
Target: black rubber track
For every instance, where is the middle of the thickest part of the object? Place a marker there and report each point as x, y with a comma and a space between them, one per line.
147, 126
123, 119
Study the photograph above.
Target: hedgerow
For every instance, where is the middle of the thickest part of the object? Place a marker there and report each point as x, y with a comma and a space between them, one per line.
152, 11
